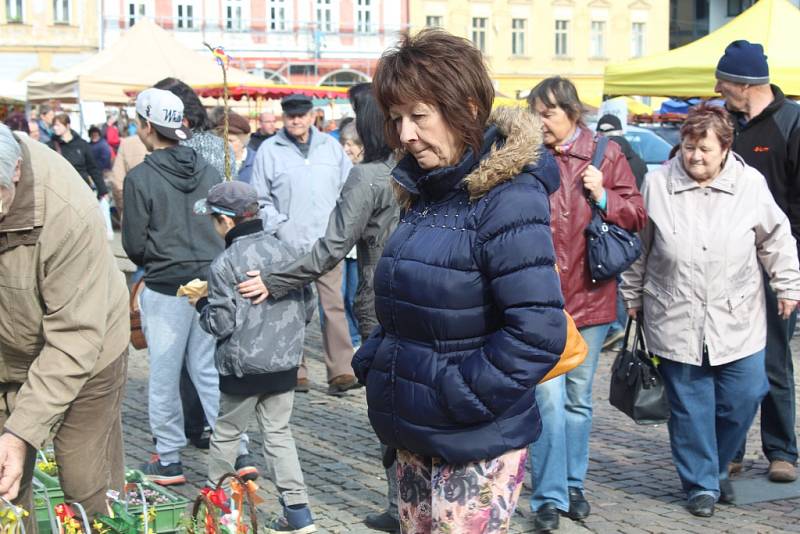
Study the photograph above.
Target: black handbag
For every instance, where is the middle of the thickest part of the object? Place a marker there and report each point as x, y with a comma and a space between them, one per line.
637, 388
610, 250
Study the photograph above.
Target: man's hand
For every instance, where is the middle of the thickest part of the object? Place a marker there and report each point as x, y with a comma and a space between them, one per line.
12, 459
254, 288
593, 182
786, 307
633, 312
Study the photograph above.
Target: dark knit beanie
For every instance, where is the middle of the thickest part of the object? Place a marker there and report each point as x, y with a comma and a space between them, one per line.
743, 62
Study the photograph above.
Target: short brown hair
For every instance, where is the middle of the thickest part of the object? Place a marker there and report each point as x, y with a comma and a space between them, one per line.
705, 117
558, 92
440, 69
63, 118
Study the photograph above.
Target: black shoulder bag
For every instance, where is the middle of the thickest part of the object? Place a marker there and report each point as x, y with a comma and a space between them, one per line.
609, 249
637, 388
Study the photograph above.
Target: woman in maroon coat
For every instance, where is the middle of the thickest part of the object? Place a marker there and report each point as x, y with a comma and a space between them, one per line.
561, 455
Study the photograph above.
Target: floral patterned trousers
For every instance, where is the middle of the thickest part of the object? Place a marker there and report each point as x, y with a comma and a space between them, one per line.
440, 498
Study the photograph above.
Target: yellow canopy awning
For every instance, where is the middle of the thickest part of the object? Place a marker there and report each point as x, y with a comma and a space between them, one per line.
689, 70
590, 87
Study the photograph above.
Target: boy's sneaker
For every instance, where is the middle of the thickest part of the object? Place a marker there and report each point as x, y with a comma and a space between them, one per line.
164, 475
294, 521
246, 467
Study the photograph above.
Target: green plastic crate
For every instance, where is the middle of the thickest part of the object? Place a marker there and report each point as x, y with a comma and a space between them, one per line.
168, 515
48, 480
44, 499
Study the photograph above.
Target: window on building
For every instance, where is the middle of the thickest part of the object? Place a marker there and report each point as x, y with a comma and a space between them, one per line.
302, 70
364, 16
61, 11
14, 11
735, 7
434, 21
562, 33
598, 39
518, 37
135, 11
234, 15
637, 39
277, 15
184, 15
325, 15
479, 33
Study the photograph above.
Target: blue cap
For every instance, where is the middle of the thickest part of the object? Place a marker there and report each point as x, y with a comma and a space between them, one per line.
743, 62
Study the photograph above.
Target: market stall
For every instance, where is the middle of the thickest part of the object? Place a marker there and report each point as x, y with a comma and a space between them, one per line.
144, 55
689, 70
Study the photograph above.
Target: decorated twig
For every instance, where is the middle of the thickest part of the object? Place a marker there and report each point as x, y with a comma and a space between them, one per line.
223, 60
223, 514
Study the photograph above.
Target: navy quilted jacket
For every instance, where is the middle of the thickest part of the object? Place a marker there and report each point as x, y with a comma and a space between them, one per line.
469, 302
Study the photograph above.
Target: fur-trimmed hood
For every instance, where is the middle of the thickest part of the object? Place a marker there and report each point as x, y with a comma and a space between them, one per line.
512, 143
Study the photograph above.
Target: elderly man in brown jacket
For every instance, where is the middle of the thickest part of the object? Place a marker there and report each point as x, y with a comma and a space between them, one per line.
64, 329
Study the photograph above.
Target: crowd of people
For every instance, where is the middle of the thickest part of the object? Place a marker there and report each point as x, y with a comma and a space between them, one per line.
443, 244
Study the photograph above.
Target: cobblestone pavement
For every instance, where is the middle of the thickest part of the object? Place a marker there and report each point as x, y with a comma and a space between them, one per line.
632, 485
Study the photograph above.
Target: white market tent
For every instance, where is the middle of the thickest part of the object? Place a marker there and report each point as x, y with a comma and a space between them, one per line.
144, 55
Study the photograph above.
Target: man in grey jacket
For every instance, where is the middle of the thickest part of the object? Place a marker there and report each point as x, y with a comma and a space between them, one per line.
298, 174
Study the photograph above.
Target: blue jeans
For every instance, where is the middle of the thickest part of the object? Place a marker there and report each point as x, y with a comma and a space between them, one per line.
173, 335
349, 287
711, 409
560, 457
622, 313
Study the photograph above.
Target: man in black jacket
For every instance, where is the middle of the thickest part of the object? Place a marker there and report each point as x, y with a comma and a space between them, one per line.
768, 138
161, 233
266, 129
610, 126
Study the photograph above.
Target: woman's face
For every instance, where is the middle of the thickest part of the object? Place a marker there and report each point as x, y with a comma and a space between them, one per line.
425, 135
354, 151
557, 126
236, 144
58, 128
703, 157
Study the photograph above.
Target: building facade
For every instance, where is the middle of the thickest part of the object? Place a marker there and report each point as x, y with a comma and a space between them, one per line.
525, 41
692, 19
46, 35
313, 42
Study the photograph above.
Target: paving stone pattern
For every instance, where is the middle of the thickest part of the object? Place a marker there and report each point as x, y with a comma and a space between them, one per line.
632, 484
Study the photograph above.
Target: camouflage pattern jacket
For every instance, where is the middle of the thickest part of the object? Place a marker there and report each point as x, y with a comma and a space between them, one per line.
258, 346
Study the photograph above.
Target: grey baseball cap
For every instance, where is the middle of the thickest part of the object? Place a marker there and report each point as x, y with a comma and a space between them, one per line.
164, 111
234, 199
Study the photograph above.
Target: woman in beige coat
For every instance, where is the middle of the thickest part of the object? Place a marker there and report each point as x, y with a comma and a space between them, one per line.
713, 228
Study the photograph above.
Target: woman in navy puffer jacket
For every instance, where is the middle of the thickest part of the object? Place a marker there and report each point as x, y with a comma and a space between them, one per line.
466, 292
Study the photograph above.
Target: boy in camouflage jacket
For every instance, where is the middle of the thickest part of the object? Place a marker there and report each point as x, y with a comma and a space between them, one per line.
258, 350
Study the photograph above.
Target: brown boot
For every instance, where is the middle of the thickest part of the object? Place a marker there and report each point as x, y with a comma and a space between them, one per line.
303, 385
734, 468
342, 383
782, 471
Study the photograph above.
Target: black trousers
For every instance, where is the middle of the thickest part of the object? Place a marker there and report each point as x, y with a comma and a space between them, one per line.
778, 438
194, 419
